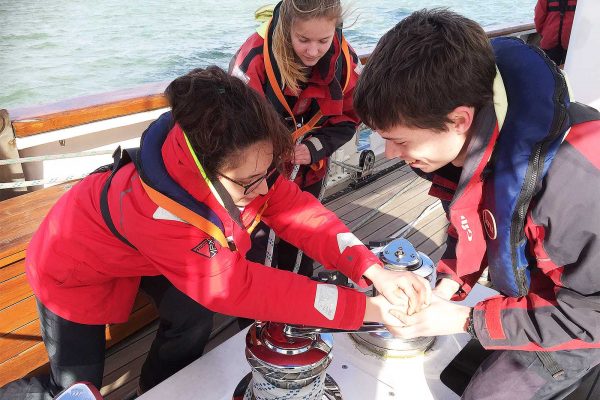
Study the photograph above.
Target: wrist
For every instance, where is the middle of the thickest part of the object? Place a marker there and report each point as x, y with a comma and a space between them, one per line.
373, 272
370, 311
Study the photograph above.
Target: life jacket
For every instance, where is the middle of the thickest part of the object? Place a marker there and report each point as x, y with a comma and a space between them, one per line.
539, 117
273, 86
561, 7
165, 192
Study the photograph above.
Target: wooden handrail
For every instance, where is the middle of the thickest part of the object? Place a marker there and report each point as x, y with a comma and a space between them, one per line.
82, 110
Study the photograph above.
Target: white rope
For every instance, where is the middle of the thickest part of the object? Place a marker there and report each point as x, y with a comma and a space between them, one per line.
54, 157
374, 211
320, 197
411, 225
52, 181
264, 390
271, 240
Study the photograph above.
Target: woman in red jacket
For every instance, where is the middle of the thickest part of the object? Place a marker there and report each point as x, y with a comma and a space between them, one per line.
179, 220
302, 64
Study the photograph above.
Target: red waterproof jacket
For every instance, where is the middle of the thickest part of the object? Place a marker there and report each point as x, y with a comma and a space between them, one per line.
323, 92
547, 23
82, 272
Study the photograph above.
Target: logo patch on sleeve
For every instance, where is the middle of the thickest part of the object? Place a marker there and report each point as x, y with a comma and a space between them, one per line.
206, 248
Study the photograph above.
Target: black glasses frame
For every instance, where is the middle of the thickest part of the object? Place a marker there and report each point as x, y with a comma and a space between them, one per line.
252, 185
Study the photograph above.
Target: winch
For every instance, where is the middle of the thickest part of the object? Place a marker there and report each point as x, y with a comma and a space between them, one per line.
398, 255
290, 361
287, 362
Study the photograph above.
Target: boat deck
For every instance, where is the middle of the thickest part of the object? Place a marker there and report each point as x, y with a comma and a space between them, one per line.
375, 211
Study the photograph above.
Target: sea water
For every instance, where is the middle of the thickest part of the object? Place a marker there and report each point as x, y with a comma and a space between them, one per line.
53, 50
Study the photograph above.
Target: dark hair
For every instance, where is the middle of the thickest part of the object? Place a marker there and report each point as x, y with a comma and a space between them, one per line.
427, 65
221, 116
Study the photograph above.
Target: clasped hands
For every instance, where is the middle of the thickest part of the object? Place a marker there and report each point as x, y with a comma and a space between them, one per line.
409, 308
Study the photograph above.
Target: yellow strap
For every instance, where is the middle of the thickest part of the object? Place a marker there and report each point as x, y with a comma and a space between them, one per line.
264, 13
211, 186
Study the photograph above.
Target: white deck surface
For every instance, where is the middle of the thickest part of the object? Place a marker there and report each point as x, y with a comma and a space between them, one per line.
215, 375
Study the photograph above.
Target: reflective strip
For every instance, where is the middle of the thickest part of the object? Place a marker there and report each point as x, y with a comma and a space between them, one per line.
326, 299
161, 213
347, 239
317, 143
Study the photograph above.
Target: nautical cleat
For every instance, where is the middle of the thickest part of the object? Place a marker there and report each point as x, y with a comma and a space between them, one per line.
398, 255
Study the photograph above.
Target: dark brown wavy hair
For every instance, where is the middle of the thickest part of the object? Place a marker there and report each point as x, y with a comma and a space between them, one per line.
221, 116
423, 68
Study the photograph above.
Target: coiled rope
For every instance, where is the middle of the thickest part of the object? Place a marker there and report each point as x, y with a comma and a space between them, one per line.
264, 390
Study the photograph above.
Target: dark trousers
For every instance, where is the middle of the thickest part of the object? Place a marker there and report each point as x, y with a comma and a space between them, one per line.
76, 351
556, 54
521, 375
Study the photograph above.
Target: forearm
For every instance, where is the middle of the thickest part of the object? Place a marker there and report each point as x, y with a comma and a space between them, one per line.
326, 140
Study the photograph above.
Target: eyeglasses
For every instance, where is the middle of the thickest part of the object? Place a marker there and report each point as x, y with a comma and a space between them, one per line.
250, 187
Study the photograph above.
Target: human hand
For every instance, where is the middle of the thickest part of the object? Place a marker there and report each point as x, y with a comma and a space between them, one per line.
301, 155
446, 288
441, 317
378, 309
407, 290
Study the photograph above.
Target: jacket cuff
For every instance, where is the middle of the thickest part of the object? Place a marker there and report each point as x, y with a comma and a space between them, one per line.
353, 312
487, 322
316, 149
354, 261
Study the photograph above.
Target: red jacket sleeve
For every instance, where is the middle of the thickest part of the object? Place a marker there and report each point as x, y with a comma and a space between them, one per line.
299, 218
226, 282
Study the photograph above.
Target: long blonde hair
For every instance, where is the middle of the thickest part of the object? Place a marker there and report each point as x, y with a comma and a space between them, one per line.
290, 67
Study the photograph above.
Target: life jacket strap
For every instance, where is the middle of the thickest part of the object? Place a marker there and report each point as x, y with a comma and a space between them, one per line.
271, 74
185, 214
551, 365
120, 158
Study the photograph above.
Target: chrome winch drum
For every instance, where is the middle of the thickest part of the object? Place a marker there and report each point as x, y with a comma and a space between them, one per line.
287, 365
398, 255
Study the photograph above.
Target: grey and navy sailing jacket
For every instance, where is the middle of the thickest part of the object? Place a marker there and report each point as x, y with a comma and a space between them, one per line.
528, 208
